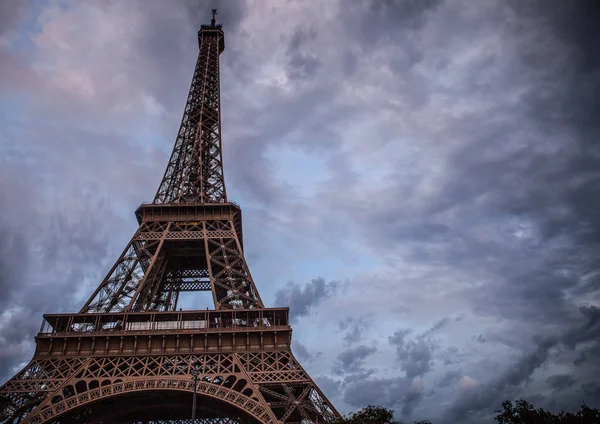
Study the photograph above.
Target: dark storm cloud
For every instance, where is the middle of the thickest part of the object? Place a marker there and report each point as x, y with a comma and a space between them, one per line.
410, 400
591, 390
302, 298
388, 392
468, 404
452, 355
436, 327
560, 381
301, 64
530, 165
415, 356
361, 374
528, 181
383, 20
449, 378
352, 360
589, 331
589, 355
14, 344
37, 236
519, 373
41, 253
551, 181
354, 328
554, 184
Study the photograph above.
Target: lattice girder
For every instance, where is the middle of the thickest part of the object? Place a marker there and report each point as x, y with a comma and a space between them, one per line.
190, 421
164, 258
78, 381
195, 170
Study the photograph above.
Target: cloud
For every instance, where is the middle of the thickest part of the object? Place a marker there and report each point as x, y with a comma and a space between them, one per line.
560, 381
331, 388
467, 383
415, 357
355, 329
302, 298
352, 360
388, 392
383, 20
300, 351
450, 377
41, 249
301, 64
436, 327
591, 390
520, 372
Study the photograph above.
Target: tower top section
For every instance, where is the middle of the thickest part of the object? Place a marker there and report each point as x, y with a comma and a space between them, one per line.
212, 30
194, 173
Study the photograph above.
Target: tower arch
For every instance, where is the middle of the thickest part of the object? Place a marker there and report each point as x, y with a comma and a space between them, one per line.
154, 399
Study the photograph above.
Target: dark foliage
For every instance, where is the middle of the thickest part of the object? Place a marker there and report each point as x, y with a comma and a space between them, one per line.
519, 412
522, 412
373, 415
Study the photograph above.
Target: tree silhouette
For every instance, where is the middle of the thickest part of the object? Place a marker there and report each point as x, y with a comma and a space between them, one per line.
519, 412
373, 414
523, 412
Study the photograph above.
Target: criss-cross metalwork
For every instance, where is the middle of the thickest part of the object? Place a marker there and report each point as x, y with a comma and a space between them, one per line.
129, 355
195, 170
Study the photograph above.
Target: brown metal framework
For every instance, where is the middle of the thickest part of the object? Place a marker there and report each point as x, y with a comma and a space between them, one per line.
128, 355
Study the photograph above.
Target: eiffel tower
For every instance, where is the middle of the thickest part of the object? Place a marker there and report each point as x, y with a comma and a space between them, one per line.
129, 355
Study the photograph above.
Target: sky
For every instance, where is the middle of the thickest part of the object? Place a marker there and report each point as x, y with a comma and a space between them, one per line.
420, 181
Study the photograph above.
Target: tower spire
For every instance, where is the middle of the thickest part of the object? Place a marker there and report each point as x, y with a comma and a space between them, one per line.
214, 13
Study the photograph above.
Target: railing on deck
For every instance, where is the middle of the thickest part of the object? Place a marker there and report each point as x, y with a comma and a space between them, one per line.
182, 321
189, 203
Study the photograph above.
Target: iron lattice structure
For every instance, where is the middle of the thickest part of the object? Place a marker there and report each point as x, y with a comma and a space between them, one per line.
128, 356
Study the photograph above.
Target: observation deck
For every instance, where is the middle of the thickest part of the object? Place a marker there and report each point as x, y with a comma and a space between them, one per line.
189, 211
136, 333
